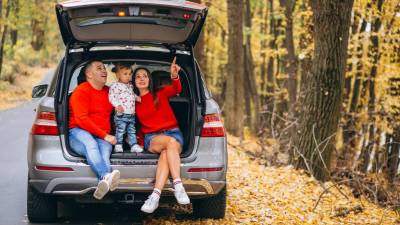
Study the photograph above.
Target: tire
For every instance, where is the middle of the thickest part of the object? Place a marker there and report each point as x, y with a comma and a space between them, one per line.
212, 207
41, 207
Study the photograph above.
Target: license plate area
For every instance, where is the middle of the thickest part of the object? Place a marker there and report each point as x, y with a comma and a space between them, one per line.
128, 198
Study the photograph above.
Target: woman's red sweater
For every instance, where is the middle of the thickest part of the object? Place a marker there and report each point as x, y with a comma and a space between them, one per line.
158, 117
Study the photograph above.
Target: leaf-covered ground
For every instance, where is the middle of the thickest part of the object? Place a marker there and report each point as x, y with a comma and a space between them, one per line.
12, 95
267, 195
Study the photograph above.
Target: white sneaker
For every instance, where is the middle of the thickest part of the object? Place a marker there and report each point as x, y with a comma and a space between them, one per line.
102, 189
150, 204
136, 148
113, 179
181, 196
118, 149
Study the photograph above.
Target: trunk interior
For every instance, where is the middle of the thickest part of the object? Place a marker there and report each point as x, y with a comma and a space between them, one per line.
183, 105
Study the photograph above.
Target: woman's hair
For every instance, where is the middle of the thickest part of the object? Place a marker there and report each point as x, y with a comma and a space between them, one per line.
121, 65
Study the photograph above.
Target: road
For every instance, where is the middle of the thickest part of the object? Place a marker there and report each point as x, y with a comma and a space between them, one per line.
14, 130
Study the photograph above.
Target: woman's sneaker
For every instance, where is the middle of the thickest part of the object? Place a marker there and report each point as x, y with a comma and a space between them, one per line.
102, 189
118, 149
181, 196
136, 148
113, 179
151, 204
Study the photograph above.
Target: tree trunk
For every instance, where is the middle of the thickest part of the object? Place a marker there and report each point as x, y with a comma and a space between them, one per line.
374, 54
234, 99
38, 25
270, 98
14, 31
291, 61
263, 56
319, 117
249, 76
393, 156
305, 41
349, 128
377, 162
4, 31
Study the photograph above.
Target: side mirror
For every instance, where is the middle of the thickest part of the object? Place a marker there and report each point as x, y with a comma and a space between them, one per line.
39, 91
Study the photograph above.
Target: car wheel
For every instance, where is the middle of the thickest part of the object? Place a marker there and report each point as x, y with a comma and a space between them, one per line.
212, 207
41, 207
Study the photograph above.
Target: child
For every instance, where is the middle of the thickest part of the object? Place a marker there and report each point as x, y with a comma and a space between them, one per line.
123, 98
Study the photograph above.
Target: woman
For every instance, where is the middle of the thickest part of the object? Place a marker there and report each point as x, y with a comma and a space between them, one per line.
162, 134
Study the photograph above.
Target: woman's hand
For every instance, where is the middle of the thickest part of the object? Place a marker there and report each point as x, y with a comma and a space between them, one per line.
110, 139
175, 69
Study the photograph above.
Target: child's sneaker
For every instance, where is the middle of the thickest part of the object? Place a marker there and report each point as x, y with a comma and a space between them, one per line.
136, 148
113, 179
118, 149
102, 189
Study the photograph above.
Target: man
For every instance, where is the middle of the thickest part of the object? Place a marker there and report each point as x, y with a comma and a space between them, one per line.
89, 126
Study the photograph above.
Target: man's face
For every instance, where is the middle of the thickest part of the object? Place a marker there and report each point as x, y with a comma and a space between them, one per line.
97, 73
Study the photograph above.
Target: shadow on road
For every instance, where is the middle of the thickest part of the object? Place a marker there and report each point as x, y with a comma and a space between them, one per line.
109, 214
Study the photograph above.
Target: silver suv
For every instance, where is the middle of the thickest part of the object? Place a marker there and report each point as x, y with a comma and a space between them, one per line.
145, 33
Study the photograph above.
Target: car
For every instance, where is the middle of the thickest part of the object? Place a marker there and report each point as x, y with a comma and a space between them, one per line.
144, 33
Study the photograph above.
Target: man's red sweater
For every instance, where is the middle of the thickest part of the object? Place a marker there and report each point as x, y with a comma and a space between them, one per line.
158, 117
90, 110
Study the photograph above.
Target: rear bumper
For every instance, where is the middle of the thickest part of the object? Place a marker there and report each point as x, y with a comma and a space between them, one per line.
83, 186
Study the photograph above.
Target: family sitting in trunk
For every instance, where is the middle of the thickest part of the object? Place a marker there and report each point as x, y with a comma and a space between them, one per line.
89, 123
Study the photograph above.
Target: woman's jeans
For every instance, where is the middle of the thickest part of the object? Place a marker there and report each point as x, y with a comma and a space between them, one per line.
96, 151
125, 123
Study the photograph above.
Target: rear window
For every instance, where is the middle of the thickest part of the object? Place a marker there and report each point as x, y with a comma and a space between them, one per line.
167, 22
160, 74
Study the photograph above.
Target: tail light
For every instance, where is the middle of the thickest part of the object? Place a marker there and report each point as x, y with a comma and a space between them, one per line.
54, 168
202, 170
45, 124
213, 126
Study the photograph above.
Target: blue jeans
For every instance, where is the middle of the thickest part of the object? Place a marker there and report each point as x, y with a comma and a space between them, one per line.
125, 123
96, 151
175, 133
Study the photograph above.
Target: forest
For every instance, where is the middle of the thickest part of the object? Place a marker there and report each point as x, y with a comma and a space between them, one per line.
315, 83
314, 80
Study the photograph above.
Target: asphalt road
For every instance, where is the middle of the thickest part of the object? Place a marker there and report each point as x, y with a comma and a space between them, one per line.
15, 125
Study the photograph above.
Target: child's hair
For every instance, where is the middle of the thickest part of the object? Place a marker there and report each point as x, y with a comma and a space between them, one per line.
121, 65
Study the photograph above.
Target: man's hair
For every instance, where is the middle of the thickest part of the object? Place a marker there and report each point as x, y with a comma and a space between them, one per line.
82, 73
89, 64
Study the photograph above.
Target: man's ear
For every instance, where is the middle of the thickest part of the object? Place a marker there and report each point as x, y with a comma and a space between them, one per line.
88, 74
